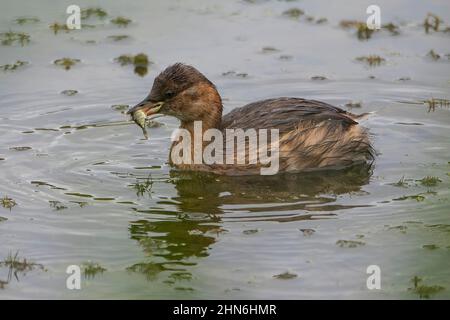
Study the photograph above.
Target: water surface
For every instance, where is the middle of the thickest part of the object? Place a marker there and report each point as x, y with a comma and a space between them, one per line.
88, 188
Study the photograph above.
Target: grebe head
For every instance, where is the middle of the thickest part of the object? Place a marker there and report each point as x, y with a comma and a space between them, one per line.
185, 93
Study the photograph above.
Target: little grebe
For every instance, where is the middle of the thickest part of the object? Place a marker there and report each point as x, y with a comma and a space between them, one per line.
313, 135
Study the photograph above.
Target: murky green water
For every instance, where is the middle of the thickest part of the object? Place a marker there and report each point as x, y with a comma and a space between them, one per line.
86, 191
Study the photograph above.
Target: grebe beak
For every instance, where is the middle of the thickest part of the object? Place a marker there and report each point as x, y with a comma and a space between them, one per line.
148, 107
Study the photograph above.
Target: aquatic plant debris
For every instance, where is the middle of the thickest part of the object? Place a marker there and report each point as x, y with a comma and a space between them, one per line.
417, 197
118, 37
285, 276
429, 181
269, 49
236, 74
433, 55
371, 60
66, 63
20, 148
93, 12
11, 37
400, 183
142, 188
8, 203
424, 291
16, 265
294, 13
57, 27
392, 28
353, 104
140, 62
433, 103
57, 205
121, 21
349, 243
120, 107
432, 22
69, 92
91, 269
26, 20
308, 232
363, 32
14, 66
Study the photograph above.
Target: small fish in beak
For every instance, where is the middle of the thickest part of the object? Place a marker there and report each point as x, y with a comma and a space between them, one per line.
141, 111
139, 117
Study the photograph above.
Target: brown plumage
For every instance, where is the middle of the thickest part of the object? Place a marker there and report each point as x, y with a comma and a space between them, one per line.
313, 135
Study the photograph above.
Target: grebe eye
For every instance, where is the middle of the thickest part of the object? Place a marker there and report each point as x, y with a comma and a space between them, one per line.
169, 94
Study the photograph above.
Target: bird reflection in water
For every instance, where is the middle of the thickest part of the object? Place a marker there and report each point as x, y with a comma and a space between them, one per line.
177, 240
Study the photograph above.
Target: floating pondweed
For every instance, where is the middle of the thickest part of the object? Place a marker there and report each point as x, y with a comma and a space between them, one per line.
362, 30
11, 37
429, 181
392, 28
371, 60
432, 22
417, 197
69, 92
14, 66
424, 291
269, 49
16, 265
20, 148
434, 102
118, 37
57, 205
433, 55
26, 20
91, 269
294, 13
7, 202
67, 63
140, 62
236, 74
93, 12
307, 232
349, 243
143, 187
353, 104
57, 27
121, 21
285, 275
400, 183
